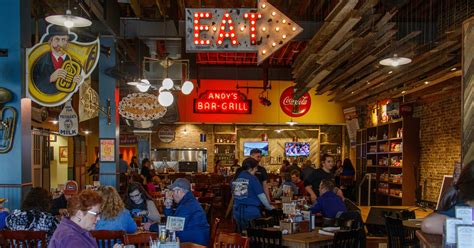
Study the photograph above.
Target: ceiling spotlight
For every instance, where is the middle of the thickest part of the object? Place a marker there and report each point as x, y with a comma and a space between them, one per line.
395, 61
87, 132
68, 20
427, 82
291, 122
454, 68
263, 5
274, 13
390, 72
403, 92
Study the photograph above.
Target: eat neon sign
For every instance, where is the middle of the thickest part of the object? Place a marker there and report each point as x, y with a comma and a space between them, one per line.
222, 102
263, 30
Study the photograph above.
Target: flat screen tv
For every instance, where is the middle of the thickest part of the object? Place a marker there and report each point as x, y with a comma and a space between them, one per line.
249, 145
297, 149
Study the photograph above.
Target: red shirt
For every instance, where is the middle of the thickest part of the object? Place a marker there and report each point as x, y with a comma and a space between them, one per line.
57, 62
301, 188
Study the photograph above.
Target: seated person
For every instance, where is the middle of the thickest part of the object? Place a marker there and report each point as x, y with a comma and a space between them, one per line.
296, 179
328, 203
34, 214
59, 204
114, 216
433, 223
140, 204
287, 183
4, 212
196, 227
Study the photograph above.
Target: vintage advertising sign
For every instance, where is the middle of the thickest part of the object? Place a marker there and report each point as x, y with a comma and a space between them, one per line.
88, 102
263, 30
294, 107
68, 123
107, 150
58, 65
222, 102
166, 134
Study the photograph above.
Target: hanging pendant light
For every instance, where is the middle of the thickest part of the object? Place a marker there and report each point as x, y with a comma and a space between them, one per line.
68, 20
395, 61
187, 87
143, 85
165, 98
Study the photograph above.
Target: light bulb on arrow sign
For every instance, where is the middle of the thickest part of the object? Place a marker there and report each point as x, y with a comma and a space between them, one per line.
263, 30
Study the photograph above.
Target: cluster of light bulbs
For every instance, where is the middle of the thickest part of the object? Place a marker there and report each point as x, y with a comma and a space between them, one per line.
165, 97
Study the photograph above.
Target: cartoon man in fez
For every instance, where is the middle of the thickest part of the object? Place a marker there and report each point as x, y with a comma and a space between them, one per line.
48, 68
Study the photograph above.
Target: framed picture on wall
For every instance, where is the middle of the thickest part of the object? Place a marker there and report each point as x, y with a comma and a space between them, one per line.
63, 154
52, 137
107, 150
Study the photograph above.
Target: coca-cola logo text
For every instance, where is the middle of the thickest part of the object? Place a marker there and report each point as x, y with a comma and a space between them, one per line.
294, 107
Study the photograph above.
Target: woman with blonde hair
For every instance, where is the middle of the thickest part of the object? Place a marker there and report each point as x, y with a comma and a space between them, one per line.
114, 215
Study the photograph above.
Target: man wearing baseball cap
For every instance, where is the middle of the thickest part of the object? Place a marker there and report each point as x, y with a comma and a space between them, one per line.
196, 228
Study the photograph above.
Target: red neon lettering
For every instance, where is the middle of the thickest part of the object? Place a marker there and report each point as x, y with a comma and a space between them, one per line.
198, 28
214, 106
199, 105
223, 34
224, 106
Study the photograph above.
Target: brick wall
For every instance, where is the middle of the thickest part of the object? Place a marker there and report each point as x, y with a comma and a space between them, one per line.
440, 136
190, 139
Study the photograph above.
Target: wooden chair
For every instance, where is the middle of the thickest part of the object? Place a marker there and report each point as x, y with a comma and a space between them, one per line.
214, 229
140, 240
106, 238
207, 209
262, 222
346, 239
23, 238
231, 240
260, 238
398, 235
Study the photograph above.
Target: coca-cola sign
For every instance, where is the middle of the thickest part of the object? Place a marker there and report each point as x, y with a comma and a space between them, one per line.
294, 107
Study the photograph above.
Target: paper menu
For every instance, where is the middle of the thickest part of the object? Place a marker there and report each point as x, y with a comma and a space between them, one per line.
289, 208
175, 223
465, 236
450, 230
464, 213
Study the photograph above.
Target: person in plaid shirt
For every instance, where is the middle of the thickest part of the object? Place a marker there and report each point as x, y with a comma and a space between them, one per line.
34, 214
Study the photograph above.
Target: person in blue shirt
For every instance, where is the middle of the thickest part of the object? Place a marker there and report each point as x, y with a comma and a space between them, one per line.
463, 195
4, 212
287, 182
196, 227
114, 215
328, 203
248, 195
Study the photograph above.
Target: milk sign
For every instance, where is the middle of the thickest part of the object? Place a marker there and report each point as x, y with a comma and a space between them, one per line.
68, 124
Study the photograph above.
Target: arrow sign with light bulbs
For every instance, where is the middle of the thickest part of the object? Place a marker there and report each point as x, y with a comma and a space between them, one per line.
263, 30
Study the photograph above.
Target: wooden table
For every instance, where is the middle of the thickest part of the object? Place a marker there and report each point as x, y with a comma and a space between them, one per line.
414, 224
307, 240
429, 240
190, 245
364, 211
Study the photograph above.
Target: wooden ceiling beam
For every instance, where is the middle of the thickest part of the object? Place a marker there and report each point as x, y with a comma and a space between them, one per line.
137, 9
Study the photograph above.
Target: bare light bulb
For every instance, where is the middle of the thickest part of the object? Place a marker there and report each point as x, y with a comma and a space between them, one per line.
68, 23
